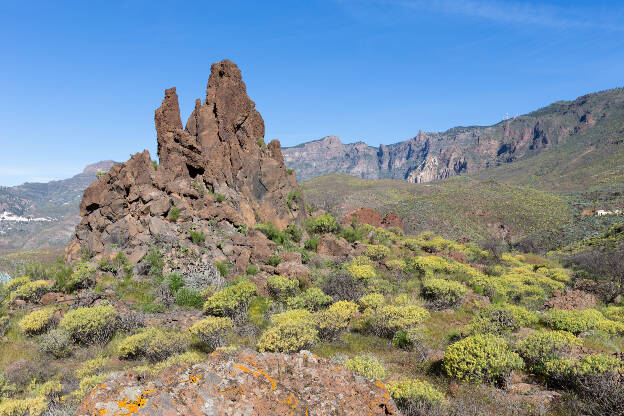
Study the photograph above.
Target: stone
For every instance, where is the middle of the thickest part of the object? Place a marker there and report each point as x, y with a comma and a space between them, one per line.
245, 383
331, 246
292, 269
373, 217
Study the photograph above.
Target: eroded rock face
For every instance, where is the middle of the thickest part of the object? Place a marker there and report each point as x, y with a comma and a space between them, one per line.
246, 383
215, 176
373, 217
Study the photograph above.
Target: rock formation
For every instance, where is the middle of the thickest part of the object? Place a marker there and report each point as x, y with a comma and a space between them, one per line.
216, 176
244, 384
373, 217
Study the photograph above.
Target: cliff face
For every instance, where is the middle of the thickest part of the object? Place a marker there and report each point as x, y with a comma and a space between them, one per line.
217, 170
433, 156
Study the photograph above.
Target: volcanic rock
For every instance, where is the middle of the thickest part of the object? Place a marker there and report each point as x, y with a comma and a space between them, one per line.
373, 217
246, 383
216, 177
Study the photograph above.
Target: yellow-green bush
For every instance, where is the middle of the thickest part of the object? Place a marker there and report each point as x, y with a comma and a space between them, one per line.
153, 343
30, 291
16, 283
396, 265
413, 392
615, 313
498, 319
377, 252
80, 277
86, 385
367, 366
281, 287
572, 321
50, 389
37, 322
372, 300
212, 330
189, 357
361, 261
544, 345
332, 321
287, 336
567, 371
291, 316
427, 266
378, 285
610, 327
362, 272
444, 293
386, 320
93, 325
325, 223
231, 301
33, 406
91, 367
56, 342
312, 299
481, 358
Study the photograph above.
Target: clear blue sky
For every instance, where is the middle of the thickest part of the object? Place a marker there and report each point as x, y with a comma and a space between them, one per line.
80, 79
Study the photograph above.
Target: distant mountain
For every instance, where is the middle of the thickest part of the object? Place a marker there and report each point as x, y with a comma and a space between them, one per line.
585, 134
37, 215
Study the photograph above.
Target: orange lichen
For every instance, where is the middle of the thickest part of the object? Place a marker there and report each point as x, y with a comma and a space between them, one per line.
257, 372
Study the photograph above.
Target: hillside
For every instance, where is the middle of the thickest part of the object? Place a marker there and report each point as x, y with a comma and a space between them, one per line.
36, 215
568, 145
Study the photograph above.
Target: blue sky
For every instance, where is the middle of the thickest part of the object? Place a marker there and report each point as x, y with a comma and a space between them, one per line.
80, 79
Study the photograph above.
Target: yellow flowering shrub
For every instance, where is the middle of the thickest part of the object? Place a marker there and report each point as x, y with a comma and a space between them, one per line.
232, 301
610, 327
398, 265
444, 293
313, 299
212, 330
480, 358
16, 283
377, 252
30, 291
615, 313
153, 343
411, 392
91, 367
37, 322
33, 406
372, 300
542, 346
572, 321
291, 316
92, 325
281, 287
363, 272
367, 366
332, 321
288, 337
386, 320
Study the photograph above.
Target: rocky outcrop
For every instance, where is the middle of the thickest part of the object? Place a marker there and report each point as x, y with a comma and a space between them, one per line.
373, 217
244, 384
216, 177
432, 156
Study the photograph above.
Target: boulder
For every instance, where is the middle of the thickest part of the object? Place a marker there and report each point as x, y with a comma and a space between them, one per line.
332, 246
243, 384
373, 217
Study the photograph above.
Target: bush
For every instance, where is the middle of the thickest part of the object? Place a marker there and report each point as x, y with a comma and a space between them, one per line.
610, 327
481, 358
37, 322
372, 301
174, 282
95, 325
281, 287
154, 344
294, 232
362, 272
189, 297
154, 262
272, 233
5, 323
252, 270
14, 284
312, 299
332, 321
444, 293
288, 336
413, 340
322, 224
367, 366
174, 214
386, 320
498, 319
212, 330
412, 393
353, 233
543, 346
81, 277
31, 291
291, 316
312, 244
57, 343
231, 301
274, 260
33, 406
569, 372
572, 321
615, 313
223, 267
342, 286
377, 252
198, 237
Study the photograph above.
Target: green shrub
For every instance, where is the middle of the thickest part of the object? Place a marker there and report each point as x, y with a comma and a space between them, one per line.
444, 293
353, 233
290, 171
174, 282
571, 373
322, 224
312, 299
332, 321
231, 301
414, 393
288, 336
372, 300
212, 330
91, 367
174, 214
386, 320
198, 237
273, 233
281, 287
223, 267
34, 406
481, 358
94, 325
274, 260
312, 244
31, 291
610, 327
543, 346
572, 321
37, 322
413, 340
189, 297
57, 343
252, 270
291, 316
14, 284
367, 366
293, 197
615, 313
377, 252
152, 343
69, 280
5, 324
7, 389
294, 232
155, 263
501, 318
362, 272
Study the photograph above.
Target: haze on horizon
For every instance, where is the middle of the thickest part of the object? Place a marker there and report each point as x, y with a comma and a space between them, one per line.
81, 80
